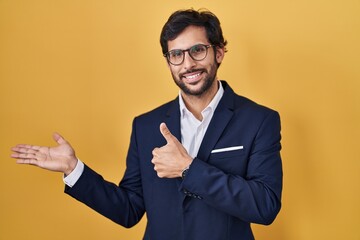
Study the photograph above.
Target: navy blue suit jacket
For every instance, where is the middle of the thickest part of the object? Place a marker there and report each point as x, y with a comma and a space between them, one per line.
223, 192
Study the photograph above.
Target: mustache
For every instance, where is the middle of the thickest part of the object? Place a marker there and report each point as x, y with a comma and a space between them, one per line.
192, 71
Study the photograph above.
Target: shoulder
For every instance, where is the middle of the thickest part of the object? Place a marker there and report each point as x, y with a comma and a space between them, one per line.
250, 106
243, 105
159, 113
250, 116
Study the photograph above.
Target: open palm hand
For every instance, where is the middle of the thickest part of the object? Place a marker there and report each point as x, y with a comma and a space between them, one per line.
60, 158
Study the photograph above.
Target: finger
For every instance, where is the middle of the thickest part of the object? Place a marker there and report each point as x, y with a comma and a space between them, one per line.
27, 161
20, 149
58, 138
155, 152
14, 155
27, 146
23, 156
154, 160
166, 133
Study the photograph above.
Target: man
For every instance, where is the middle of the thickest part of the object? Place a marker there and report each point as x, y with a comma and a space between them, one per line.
203, 166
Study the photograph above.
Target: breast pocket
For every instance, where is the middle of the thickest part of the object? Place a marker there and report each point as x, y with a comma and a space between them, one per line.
230, 161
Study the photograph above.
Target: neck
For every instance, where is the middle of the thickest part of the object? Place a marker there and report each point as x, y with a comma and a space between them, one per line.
196, 104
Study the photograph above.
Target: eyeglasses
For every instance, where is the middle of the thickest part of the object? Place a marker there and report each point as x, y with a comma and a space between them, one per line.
197, 52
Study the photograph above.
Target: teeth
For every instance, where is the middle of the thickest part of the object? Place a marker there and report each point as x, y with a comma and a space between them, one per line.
192, 76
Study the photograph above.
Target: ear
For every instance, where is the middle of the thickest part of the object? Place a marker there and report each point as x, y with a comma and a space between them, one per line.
220, 53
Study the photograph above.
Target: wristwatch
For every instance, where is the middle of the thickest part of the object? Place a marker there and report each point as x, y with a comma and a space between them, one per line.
184, 172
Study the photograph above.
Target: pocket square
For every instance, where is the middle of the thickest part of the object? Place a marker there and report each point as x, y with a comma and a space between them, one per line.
227, 149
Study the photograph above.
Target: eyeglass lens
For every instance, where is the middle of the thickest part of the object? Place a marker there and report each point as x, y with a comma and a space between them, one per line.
197, 52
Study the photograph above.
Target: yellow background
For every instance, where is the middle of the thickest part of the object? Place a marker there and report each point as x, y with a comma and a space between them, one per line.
86, 68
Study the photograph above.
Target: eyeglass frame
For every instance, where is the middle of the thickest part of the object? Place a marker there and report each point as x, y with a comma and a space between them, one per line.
188, 50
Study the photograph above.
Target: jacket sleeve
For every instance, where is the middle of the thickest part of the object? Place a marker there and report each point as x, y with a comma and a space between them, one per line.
121, 203
255, 197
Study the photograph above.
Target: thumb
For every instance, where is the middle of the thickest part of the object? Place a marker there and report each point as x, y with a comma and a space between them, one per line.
58, 138
166, 133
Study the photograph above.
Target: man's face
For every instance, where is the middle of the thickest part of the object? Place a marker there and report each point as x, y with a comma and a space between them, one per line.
195, 77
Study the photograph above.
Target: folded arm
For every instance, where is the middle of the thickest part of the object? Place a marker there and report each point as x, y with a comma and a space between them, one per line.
255, 197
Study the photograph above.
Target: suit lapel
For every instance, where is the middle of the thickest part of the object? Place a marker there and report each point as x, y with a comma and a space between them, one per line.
219, 121
172, 119
221, 118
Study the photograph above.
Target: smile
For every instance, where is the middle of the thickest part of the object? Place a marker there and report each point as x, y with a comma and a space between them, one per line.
192, 76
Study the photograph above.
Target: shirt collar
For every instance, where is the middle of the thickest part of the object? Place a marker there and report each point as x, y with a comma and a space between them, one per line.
212, 105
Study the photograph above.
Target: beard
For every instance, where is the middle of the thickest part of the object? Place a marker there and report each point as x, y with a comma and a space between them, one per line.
207, 82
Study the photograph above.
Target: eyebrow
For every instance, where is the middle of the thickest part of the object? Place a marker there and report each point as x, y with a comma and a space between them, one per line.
189, 47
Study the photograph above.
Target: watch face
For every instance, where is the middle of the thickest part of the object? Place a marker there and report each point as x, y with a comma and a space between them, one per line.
183, 174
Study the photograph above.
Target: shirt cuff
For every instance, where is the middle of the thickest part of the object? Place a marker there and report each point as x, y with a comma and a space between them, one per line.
74, 176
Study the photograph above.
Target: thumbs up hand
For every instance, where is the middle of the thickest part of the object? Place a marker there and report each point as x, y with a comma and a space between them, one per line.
171, 159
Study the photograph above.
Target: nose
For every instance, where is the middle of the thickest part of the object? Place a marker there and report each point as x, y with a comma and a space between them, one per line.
188, 63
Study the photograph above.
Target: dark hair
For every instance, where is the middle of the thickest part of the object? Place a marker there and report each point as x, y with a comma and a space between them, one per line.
181, 19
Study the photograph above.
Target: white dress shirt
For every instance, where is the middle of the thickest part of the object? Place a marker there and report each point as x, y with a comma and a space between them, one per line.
192, 129
192, 132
